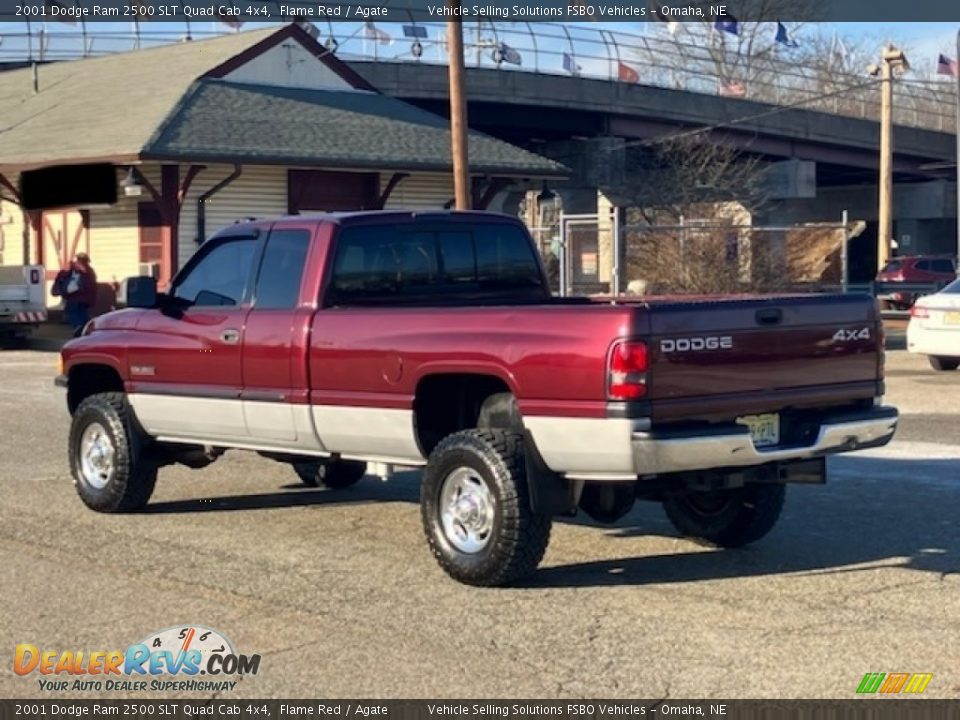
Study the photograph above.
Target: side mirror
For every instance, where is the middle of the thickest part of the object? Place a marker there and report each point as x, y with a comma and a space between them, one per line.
139, 292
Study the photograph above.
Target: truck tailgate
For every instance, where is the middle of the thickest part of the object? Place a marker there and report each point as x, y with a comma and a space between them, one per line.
761, 354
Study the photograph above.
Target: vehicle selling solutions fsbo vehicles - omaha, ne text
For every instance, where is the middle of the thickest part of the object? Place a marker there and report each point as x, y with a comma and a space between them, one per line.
432, 339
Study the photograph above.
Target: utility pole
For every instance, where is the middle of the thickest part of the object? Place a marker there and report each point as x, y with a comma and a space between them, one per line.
458, 110
893, 59
958, 143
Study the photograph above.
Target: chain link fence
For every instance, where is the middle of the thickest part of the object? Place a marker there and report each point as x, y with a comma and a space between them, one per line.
712, 257
589, 255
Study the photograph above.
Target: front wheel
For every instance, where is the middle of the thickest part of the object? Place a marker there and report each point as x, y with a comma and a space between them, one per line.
941, 363
727, 518
332, 474
475, 506
107, 461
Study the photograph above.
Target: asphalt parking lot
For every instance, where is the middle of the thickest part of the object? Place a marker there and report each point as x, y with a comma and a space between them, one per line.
340, 596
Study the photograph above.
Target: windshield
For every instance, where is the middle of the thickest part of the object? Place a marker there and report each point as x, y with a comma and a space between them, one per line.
953, 288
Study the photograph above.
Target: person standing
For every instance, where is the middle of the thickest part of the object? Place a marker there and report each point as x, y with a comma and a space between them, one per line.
77, 284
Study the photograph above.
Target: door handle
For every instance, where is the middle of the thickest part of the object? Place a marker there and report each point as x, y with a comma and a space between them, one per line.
231, 336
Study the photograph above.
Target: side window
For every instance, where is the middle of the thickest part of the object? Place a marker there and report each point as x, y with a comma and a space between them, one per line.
943, 266
281, 270
923, 265
220, 277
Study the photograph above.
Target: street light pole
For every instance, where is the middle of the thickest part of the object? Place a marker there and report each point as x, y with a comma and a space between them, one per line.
458, 110
892, 59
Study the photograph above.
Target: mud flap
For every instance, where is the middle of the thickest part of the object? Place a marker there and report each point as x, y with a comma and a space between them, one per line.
550, 493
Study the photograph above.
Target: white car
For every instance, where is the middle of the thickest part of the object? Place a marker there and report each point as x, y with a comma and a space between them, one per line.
934, 328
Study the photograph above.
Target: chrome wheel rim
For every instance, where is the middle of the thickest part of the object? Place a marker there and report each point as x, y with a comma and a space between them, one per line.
96, 456
467, 510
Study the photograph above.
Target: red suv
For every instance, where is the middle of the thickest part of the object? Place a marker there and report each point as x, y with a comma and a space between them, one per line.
916, 269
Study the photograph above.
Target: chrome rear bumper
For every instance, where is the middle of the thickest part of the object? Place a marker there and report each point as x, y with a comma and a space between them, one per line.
731, 445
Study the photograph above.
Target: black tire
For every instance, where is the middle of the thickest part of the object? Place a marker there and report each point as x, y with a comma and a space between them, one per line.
517, 537
332, 474
727, 518
942, 364
126, 482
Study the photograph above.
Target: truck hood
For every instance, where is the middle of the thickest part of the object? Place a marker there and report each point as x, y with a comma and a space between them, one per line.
126, 319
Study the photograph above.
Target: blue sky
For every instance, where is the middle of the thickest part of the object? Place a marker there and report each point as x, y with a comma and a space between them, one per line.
925, 39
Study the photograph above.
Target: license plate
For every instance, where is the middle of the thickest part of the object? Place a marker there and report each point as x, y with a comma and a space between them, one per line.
951, 318
764, 429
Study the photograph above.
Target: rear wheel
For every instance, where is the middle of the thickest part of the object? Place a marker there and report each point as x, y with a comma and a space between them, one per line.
727, 518
333, 474
475, 506
938, 362
109, 467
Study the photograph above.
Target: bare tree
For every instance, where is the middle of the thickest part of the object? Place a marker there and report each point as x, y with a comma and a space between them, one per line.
690, 201
671, 177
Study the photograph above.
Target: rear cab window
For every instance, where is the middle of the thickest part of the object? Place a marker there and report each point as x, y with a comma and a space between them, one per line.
434, 262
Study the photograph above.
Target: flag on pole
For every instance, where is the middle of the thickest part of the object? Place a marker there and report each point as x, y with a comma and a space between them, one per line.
838, 49
732, 88
231, 21
59, 12
947, 66
672, 25
372, 32
783, 37
625, 73
507, 54
728, 26
415, 31
570, 65
586, 10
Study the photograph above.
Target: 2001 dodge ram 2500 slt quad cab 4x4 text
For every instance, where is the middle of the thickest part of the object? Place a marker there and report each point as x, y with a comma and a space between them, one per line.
432, 340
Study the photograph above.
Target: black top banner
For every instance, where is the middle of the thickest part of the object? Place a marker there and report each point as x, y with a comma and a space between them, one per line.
220, 709
240, 12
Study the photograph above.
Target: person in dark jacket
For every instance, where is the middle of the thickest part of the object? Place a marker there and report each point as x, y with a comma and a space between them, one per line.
77, 284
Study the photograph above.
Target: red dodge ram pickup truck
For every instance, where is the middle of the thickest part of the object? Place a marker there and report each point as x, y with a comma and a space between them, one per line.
432, 340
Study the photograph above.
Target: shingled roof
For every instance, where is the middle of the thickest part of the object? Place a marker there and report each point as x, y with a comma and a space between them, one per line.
165, 103
274, 125
105, 106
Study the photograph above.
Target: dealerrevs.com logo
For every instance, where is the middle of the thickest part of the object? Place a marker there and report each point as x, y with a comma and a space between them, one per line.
180, 658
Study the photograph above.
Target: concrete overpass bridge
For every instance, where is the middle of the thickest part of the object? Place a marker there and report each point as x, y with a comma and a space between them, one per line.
591, 125
531, 108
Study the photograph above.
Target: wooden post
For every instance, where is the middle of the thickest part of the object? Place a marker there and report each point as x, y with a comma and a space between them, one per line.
892, 59
957, 135
170, 217
458, 112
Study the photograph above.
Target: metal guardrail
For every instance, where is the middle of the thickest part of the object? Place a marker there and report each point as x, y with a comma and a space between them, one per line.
683, 62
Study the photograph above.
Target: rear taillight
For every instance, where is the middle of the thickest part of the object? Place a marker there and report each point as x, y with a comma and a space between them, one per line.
34, 276
627, 374
919, 311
